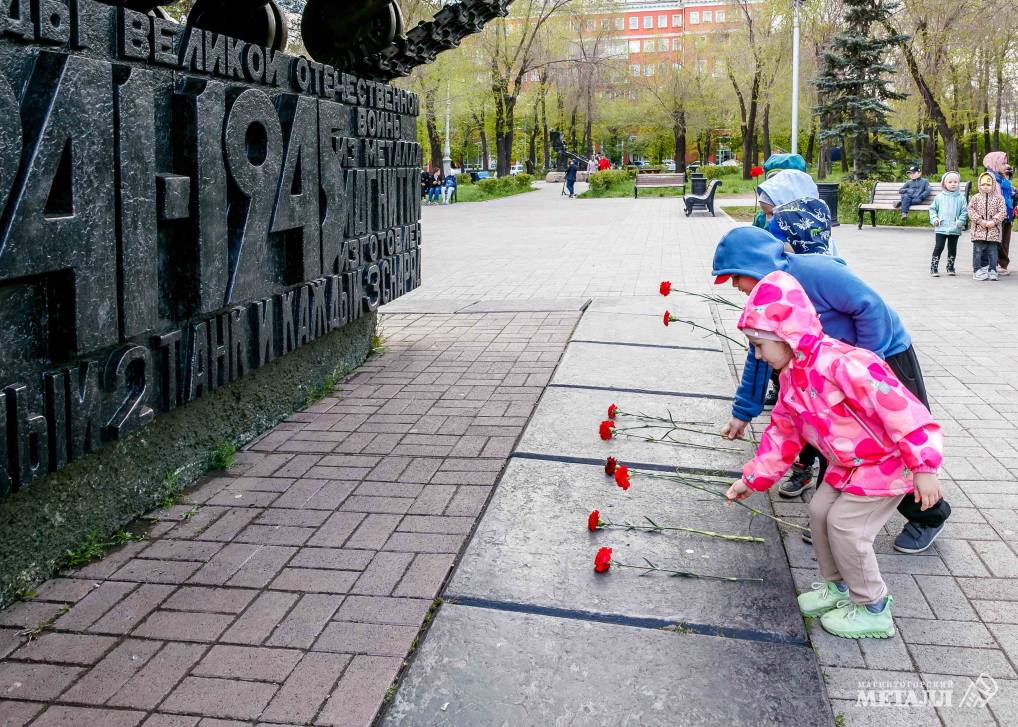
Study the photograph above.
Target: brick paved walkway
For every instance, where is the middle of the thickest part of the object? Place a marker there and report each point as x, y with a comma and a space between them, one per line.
299, 584
289, 589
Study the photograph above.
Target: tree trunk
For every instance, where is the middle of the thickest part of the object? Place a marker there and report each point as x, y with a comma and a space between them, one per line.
679, 135
844, 155
706, 147
947, 133
766, 131
929, 145
1000, 102
431, 124
485, 161
544, 122
572, 129
811, 143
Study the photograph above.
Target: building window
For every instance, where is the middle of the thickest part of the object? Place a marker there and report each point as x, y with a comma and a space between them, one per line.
701, 65
676, 44
662, 45
620, 24
708, 16
648, 46
635, 69
634, 23
634, 46
604, 24
648, 70
694, 17
662, 21
720, 16
648, 21
676, 21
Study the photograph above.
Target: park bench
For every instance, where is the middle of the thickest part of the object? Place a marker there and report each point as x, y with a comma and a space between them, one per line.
885, 195
704, 201
650, 181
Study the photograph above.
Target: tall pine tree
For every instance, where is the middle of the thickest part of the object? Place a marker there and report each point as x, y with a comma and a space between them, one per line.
853, 84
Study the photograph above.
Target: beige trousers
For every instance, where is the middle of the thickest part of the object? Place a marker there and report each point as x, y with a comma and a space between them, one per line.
843, 528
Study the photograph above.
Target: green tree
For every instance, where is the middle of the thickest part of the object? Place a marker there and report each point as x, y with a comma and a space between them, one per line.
854, 84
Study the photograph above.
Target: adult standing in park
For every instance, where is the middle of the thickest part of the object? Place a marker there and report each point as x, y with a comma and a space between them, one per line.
850, 311
996, 164
592, 165
571, 178
604, 163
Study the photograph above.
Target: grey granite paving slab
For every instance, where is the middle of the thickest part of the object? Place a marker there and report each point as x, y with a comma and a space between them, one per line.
657, 369
640, 329
566, 424
411, 304
533, 547
655, 305
526, 305
486, 667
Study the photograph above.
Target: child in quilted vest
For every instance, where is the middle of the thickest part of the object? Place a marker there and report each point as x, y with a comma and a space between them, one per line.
987, 212
881, 442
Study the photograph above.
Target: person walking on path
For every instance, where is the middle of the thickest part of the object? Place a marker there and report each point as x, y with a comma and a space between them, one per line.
996, 164
882, 443
851, 312
591, 165
914, 191
604, 163
571, 178
948, 215
987, 211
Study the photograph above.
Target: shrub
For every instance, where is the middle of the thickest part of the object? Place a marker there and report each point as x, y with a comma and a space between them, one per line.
464, 179
523, 180
488, 186
602, 181
713, 171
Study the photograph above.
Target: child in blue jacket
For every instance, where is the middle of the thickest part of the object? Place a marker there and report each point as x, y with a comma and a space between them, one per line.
850, 311
948, 215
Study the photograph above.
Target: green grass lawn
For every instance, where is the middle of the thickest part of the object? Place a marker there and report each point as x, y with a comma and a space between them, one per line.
472, 193
741, 214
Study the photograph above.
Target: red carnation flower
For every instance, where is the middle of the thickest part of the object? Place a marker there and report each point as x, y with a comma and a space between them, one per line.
756, 172
667, 318
594, 520
606, 429
603, 560
666, 287
612, 411
622, 477
609, 466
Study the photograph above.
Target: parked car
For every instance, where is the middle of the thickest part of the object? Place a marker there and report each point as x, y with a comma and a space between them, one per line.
517, 168
668, 164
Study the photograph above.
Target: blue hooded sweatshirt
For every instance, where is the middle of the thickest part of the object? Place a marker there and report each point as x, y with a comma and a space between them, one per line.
849, 310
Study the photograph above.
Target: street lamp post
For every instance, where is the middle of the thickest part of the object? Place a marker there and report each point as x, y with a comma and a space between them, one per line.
795, 75
446, 149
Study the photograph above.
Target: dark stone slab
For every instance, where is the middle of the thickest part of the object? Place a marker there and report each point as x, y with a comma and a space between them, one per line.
533, 547
486, 667
657, 369
567, 419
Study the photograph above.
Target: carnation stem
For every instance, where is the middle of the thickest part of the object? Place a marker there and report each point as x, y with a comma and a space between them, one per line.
655, 528
715, 331
668, 439
712, 297
651, 568
683, 480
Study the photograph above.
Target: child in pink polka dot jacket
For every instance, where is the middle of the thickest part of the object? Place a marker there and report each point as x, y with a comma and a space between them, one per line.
882, 444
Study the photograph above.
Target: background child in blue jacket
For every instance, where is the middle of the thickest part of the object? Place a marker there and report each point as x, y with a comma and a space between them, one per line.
948, 215
914, 191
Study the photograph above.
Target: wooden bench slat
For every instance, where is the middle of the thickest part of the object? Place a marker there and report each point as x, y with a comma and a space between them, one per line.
885, 197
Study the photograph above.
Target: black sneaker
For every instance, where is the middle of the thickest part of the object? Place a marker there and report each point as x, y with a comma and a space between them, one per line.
798, 482
915, 538
807, 537
772, 396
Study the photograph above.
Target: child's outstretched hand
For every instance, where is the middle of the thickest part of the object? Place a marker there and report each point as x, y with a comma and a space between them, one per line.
935, 222
927, 489
738, 491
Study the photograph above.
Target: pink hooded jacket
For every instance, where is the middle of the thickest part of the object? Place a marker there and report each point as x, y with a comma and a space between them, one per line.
843, 400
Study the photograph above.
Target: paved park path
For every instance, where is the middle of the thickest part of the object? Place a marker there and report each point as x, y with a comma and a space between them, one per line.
291, 589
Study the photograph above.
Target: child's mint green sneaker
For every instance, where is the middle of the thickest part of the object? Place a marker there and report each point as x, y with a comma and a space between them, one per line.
855, 621
823, 598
